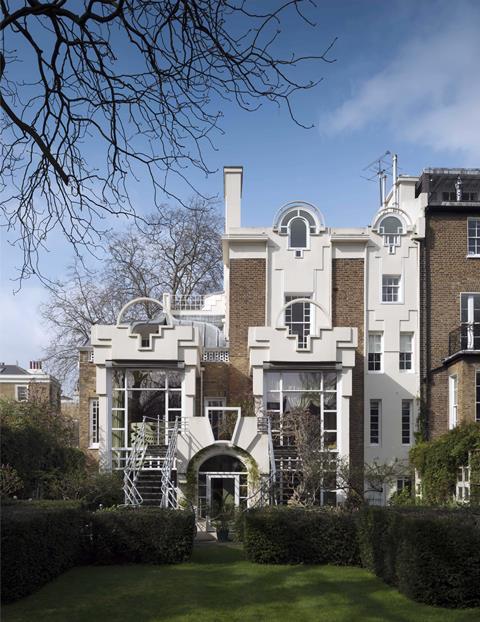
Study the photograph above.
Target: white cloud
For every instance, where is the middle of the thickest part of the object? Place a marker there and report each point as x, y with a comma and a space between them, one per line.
22, 335
429, 93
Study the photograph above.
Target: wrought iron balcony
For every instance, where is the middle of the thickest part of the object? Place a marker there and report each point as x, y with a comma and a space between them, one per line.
465, 338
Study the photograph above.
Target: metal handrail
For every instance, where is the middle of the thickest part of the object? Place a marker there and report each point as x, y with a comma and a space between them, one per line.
133, 467
464, 338
169, 498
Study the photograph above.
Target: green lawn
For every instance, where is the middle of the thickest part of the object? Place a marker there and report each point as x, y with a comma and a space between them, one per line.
219, 585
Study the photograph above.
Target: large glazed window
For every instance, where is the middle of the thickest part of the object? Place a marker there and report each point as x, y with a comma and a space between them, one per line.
154, 394
312, 392
298, 318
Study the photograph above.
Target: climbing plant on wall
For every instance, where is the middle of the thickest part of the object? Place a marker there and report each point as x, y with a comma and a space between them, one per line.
437, 461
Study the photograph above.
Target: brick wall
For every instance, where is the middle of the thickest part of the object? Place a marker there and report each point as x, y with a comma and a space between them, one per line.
447, 272
246, 308
215, 384
348, 310
87, 390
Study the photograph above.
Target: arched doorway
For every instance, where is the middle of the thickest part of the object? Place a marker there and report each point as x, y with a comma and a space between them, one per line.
222, 485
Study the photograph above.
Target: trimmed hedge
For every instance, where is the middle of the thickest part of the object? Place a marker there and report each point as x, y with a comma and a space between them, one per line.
296, 535
40, 540
431, 556
146, 535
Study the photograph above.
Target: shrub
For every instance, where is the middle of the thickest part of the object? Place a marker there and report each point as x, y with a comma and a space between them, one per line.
10, 483
142, 535
431, 556
437, 461
40, 540
35, 442
297, 535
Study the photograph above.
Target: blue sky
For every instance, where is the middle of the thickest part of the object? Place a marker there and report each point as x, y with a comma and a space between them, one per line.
406, 79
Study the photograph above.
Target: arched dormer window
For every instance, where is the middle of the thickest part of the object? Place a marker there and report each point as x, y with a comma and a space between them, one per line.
298, 221
298, 233
391, 228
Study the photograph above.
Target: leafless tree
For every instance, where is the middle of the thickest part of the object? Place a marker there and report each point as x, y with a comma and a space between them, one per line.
98, 95
322, 468
180, 255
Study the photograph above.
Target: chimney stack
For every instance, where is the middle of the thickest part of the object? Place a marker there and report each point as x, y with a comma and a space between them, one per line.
232, 181
35, 367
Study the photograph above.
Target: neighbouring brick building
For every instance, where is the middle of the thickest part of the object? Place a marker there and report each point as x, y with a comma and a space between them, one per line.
450, 285
312, 318
21, 384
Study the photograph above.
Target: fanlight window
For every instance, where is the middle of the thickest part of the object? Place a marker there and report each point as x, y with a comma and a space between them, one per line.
391, 228
294, 214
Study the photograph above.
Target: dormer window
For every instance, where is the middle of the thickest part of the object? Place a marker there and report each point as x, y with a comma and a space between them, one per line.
391, 229
298, 221
297, 233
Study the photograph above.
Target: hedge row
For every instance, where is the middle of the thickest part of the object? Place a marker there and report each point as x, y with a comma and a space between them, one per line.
291, 536
432, 557
40, 540
149, 536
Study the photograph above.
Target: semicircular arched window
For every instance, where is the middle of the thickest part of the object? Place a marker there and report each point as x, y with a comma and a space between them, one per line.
391, 228
297, 233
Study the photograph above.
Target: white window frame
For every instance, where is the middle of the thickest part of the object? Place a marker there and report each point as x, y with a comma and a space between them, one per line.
93, 427
305, 345
462, 488
391, 240
21, 386
400, 289
477, 395
214, 402
452, 401
369, 351
476, 237
470, 323
406, 370
378, 404
307, 239
410, 418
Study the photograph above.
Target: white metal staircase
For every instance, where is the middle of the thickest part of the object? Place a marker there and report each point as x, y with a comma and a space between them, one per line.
148, 474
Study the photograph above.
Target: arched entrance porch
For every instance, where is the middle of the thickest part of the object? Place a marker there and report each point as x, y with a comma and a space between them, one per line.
220, 478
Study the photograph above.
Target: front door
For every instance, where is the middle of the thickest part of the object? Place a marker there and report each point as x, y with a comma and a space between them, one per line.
222, 493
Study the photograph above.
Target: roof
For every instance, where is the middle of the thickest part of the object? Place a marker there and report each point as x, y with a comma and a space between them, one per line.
13, 370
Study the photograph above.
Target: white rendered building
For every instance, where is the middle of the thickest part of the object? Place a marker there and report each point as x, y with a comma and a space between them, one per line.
194, 404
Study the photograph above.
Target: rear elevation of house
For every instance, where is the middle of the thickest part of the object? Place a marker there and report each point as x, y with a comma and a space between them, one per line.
355, 326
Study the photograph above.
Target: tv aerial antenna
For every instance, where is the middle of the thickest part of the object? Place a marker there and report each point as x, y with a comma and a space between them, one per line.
378, 170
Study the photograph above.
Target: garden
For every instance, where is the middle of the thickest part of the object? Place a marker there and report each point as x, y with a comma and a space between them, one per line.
70, 551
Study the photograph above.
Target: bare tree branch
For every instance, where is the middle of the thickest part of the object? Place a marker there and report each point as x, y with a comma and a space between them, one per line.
181, 255
100, 95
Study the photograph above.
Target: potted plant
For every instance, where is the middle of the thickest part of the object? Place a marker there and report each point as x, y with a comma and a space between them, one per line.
222, 522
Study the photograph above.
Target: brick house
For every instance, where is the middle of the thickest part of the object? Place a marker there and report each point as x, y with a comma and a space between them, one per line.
450, 285
327, 320
20, 384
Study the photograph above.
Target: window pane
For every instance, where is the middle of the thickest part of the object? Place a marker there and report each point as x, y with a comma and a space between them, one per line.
118, 378
118, 438
118, 399
145, 404
330, 421
118, 418
146, 378
330, 381
298, 233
